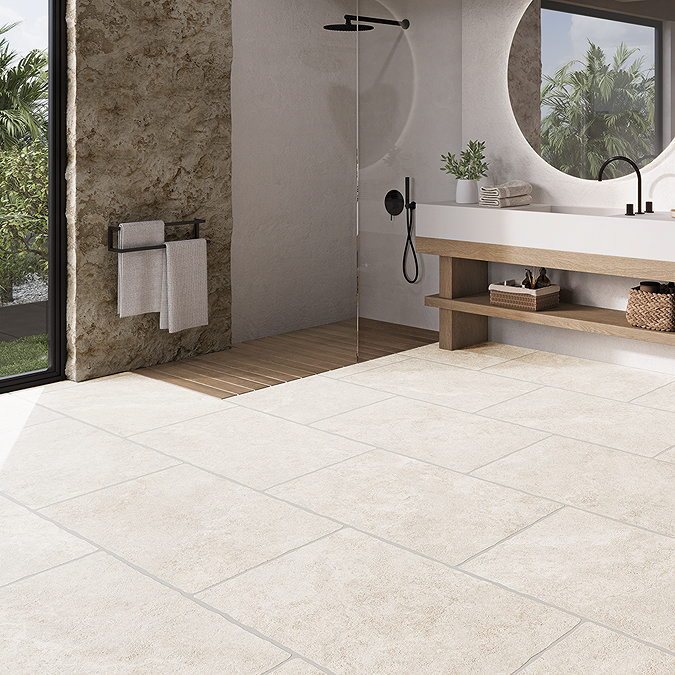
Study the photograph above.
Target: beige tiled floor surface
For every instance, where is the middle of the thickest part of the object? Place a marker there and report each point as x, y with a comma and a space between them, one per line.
495, 510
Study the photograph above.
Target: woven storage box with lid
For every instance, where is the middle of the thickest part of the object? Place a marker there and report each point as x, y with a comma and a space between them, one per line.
514, 296
655, 311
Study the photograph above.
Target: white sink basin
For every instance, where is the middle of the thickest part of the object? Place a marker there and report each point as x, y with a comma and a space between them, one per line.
602, 231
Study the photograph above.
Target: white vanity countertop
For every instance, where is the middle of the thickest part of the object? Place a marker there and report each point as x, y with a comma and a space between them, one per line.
579, 229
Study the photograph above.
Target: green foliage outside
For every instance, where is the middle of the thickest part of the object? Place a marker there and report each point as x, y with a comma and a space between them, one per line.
597, 110
23, 166
23, 355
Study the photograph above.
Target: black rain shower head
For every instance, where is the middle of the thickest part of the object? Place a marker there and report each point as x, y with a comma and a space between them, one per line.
353, 23
348, 27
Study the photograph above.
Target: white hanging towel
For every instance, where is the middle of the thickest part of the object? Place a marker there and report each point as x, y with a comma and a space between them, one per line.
139, 273
185, 302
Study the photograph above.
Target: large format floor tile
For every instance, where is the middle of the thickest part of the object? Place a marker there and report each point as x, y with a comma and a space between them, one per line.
442, 514
433, 433
310, 399
433, 382
582, 375
57, 460
97, 615
112, 403
30, 544
619, 575
476, 357
356, 606
635, 489
189, 527
251, 447
593, 650
588, 418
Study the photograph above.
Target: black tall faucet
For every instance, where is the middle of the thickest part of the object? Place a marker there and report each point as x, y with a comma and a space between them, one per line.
639, 178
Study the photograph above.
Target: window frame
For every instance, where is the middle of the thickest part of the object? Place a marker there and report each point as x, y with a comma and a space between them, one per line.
598, 13
57, 279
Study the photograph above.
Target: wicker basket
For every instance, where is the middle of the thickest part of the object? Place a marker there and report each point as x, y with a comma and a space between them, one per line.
655, 311
514, 296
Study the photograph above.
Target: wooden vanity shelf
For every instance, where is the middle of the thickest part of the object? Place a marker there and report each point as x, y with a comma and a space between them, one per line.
465, 305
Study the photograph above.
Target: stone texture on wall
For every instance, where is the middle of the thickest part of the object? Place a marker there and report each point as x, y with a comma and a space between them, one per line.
149, 137
525, 75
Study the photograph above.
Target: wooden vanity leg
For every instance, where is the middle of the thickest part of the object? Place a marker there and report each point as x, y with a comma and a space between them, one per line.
459, 277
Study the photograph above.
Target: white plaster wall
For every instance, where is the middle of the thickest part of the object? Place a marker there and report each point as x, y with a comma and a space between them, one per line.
293, 150
488, 26
409, 113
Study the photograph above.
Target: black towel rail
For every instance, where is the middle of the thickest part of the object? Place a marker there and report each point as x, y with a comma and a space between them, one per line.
112, 229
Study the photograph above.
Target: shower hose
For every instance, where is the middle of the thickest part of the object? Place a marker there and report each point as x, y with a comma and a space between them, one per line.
409, 244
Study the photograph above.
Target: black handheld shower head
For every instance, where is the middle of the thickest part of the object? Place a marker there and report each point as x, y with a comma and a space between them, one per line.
355, 23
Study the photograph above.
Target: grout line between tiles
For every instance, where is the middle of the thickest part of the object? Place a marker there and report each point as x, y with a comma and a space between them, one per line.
539, 654
270, 560
189, 596
112, 485
508, 454
278, 667
510, 536
328, 466
49, 569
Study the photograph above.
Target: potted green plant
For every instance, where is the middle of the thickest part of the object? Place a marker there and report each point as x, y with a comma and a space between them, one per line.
468, 169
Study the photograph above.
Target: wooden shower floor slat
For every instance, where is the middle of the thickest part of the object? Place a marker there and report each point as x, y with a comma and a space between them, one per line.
264, 362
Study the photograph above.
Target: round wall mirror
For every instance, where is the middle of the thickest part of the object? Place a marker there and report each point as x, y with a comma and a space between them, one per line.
586, 82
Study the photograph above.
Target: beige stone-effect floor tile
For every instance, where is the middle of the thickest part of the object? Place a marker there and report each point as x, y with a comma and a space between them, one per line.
58, 460
475, 357
457, 440
297, 667
636, 489
97, 615
188, 527
363, 366
589, 418
357, 605
458, 388
442, 514
661, 399
310, 399
30, 544
251, 447
582, 375
616, 574
17, 413
591, 649
112, 403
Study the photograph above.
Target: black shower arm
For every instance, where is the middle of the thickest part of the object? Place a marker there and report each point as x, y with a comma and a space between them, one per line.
369, 19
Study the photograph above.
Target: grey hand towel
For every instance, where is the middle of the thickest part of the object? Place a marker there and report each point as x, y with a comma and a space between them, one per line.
185, 302
139, 274
496, 203
514, 188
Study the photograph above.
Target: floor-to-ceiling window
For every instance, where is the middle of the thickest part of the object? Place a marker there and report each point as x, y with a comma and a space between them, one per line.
32, 237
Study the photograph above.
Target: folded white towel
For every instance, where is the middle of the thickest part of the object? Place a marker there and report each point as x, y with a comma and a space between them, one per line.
185, 302
514, 188
496, 203
139, 273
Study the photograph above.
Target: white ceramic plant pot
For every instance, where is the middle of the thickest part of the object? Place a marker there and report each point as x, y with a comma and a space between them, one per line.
467, 191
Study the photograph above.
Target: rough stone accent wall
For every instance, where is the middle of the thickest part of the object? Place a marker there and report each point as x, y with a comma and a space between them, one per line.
525, 75
149, 137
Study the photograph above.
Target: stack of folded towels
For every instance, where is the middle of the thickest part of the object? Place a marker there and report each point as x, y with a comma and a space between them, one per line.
513, 193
